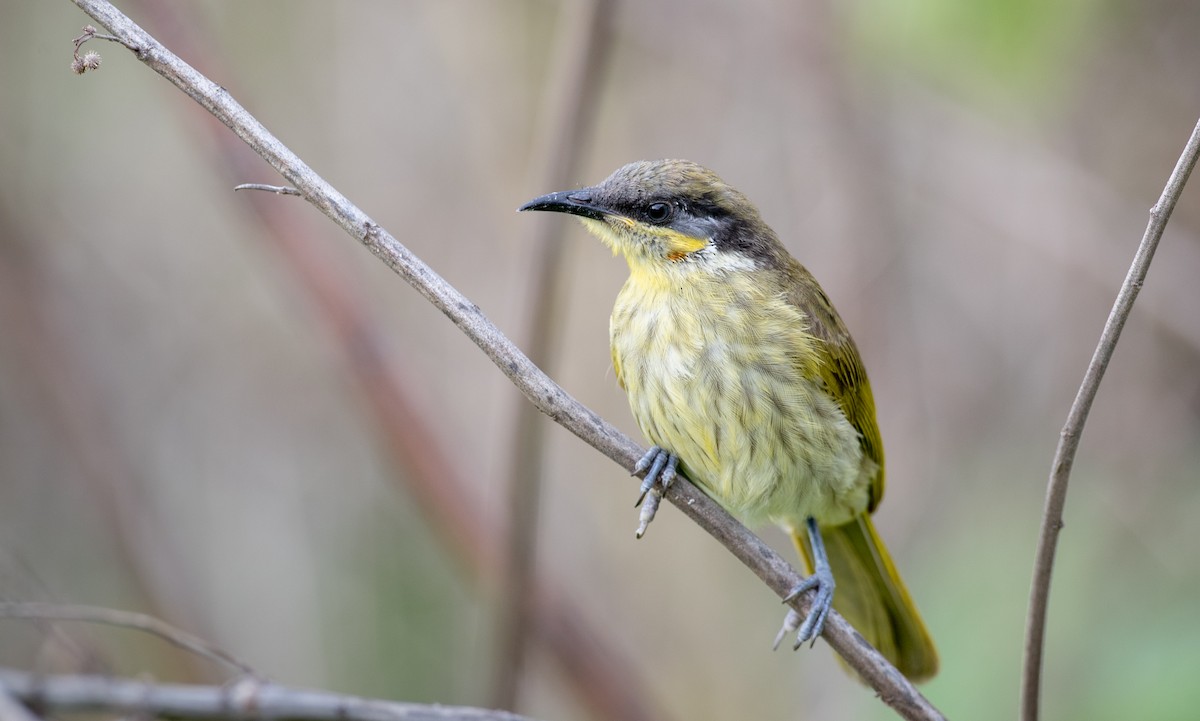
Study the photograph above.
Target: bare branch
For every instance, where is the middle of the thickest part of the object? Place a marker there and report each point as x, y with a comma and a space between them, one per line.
890, 684
246, 700
123, 619
1068, 442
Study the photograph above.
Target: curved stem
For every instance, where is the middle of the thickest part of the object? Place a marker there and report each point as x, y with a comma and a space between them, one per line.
124, 619
1068, 442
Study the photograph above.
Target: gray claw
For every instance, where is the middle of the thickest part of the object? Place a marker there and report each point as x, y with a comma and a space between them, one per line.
661, 467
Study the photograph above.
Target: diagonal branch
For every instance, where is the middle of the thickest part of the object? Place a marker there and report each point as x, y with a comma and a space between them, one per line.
1068, 442
552, 400
246, 700
602, 679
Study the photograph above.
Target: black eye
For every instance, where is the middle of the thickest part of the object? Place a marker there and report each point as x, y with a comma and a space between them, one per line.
658, 212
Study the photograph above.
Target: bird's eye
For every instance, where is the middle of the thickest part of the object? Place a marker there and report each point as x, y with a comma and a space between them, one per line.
658, 212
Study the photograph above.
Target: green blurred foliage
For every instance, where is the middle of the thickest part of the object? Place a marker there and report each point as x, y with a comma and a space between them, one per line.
989, 51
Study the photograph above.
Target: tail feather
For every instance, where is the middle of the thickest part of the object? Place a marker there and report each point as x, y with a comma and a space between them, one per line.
872, 597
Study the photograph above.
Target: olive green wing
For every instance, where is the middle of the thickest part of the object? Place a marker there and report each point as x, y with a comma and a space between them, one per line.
840, 367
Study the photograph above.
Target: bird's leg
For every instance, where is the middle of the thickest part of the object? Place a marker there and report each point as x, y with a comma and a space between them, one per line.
821, 580
660, 466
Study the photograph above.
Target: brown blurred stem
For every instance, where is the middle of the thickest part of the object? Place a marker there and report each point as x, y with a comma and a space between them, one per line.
1068, 442
579, 57
776, 573
72, 400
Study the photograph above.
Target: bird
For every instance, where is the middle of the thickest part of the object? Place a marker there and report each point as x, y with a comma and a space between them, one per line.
743, 376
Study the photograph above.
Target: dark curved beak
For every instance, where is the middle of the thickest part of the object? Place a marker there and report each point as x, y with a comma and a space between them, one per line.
573, 202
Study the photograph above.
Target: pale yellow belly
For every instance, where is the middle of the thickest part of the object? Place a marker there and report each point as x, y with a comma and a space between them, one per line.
724, 388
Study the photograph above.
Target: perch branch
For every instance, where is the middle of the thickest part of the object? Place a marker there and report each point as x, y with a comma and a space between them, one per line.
889, 683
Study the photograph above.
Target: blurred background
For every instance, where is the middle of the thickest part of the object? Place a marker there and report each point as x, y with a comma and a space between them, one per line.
217, 408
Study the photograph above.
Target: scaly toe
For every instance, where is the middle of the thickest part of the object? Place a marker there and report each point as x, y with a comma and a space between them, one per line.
815, 623
653, 463
661, 467
822, 582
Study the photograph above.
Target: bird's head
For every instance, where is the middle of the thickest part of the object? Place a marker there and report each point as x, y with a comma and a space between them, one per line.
668, 216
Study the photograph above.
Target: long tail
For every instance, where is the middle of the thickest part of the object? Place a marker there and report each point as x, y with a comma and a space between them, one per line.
872, 597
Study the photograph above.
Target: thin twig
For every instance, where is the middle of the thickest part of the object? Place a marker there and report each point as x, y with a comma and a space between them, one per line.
124, 619
90, 60
246, 700
889, 683
89, 33
277, 189
582, 49
1068, 442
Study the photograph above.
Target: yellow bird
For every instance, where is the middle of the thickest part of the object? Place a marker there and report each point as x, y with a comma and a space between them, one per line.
740, 372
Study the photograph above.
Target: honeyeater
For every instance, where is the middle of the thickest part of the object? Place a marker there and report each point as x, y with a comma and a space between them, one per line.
742, 375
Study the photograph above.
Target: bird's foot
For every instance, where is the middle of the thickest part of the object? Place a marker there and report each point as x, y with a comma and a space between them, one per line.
660, 466
822, 581
808, 628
